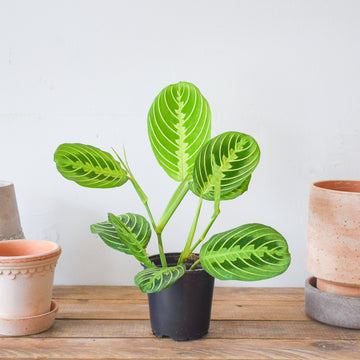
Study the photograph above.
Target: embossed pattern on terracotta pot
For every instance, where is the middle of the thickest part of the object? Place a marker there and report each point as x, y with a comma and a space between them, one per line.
333, 246
10, 227
26, 277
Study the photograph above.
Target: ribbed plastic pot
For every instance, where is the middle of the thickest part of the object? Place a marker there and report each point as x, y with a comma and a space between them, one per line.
26, 279
183, 310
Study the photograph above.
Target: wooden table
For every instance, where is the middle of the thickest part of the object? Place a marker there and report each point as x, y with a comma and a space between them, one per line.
103, 322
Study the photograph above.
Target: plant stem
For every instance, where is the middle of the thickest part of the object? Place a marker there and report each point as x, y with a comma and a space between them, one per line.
190, 238
203, 235
144, 200
193, 266
174, 202
217, 198
161, 251
160, 244
137, 187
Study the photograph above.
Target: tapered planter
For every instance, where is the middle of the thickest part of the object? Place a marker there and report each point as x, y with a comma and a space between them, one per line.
182, 311
10, 227
26, 280
333, 247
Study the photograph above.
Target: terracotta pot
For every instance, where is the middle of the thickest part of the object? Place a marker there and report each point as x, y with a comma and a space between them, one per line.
26, 280
10, 227
333, 247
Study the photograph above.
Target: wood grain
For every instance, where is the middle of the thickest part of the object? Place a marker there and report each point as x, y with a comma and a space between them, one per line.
229, 329
152, 349
110, 322
134, 309
220, 293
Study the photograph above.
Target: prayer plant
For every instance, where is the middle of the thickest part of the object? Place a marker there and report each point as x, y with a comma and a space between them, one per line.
214, 169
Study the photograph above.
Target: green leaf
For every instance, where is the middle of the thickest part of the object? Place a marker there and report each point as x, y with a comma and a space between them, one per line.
152, 280
130, 240
179, 123
89, 166
229, 158
249, 252
238, 191
136, 224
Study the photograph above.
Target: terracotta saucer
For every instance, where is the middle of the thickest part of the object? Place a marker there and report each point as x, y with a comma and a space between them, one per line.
29, 325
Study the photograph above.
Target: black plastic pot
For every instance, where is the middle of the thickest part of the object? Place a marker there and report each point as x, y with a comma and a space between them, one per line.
182, 311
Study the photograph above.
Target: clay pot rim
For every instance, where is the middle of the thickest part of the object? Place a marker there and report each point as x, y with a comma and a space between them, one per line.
54, 251
4, 183
321, 185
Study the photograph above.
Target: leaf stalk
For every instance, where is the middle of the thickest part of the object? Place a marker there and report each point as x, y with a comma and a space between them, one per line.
190, 238
173, 204
144, 199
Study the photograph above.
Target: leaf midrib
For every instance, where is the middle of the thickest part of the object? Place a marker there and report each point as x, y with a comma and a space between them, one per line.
247, 250
78, 165
224, 166
181, 153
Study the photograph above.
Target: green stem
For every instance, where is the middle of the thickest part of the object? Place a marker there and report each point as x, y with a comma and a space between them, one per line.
190, 238
161, 251
144, 200
174, 202
203, 235
143, 197
150, 215
217, 197
193, 266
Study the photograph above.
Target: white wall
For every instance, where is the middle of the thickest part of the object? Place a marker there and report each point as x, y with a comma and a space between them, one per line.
286, 72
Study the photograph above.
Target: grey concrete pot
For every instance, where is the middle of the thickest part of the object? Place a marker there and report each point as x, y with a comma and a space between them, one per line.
10, 227
329, 308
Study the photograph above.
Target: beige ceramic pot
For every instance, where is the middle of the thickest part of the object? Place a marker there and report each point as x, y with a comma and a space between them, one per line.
26, 280
333, 247
10, 227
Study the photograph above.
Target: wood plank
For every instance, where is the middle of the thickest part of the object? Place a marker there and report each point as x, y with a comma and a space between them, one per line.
133, 293
221, 310
152, 349
258, 294
290, 330
102, 322
97, 292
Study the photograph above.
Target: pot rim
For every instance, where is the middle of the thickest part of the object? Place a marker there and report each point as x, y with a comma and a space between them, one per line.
53, 250
5, 183
177, 255
337, 186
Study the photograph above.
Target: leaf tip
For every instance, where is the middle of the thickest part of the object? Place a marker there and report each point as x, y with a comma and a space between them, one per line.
111, 217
